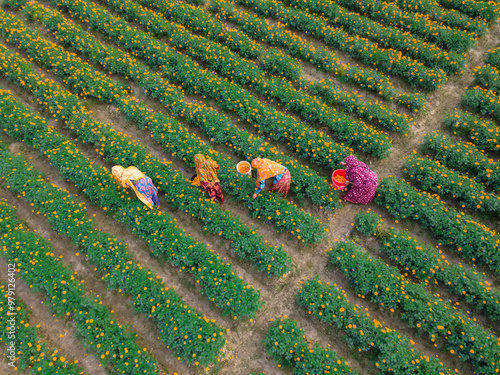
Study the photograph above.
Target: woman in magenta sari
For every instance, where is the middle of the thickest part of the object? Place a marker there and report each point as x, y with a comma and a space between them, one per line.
363, 180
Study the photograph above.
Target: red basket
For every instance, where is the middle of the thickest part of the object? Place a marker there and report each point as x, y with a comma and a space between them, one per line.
338, 185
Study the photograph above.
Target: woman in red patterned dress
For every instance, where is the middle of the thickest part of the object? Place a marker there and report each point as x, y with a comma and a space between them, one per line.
363, 180
206, 169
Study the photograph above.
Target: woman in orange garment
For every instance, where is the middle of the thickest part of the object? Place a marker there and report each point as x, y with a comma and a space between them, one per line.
270, 169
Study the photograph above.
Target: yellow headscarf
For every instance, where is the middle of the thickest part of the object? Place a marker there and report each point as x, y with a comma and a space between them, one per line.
266, 169
206, 169
125, 175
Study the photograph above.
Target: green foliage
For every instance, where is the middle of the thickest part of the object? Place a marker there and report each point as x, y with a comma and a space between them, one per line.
372, 279
431, 175
277, 63
483, 101
484, 134
15, 4
231, 97
464, 157
415, 101
367, 223
493, 57
66, 297
196, 2
392, 352
488, 76
242, 72
184, 145
471, 239
286, 344
31, 351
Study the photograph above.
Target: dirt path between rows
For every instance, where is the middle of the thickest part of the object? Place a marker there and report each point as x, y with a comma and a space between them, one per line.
244, 351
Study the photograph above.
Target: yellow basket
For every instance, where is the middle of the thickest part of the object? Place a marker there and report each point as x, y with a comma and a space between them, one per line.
244, 167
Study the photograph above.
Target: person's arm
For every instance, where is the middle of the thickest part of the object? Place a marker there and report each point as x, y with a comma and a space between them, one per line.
259, 188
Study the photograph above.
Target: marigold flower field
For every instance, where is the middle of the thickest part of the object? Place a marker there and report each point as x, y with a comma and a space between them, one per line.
304, 284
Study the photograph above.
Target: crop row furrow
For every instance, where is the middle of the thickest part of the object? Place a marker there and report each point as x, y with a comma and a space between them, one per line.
374, 280
243, 72
66, 297
192, 337
484, 134
158, 229
428, 264
471, 239
392, 352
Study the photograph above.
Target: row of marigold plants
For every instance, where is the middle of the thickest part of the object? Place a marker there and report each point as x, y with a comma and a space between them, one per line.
38, 266
384, 56
291, 219
30, 349
243, 72
428, 264
420, 24
387, 348
471, 239
159, 230
286, 343
191, 336
380, 283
